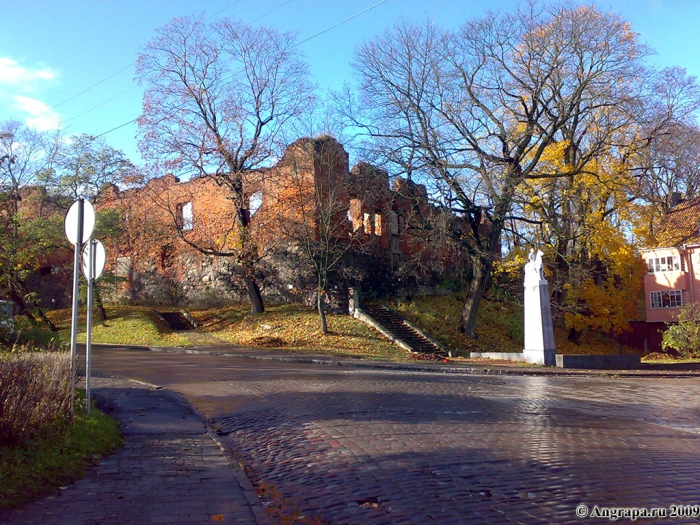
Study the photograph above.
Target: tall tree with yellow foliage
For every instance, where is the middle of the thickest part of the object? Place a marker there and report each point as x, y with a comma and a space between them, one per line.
473, 113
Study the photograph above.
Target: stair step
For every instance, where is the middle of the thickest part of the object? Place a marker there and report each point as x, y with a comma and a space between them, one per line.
395, 325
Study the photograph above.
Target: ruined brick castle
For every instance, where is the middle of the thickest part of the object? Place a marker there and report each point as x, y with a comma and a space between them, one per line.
400, 240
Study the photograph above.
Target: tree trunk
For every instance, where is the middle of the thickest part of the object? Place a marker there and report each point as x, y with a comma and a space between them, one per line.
46, 320
321, 313
575, 335
477, 288
101, 312
256, 302
25, 310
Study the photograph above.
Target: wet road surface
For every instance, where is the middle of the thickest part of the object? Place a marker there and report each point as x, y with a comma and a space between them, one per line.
366, 446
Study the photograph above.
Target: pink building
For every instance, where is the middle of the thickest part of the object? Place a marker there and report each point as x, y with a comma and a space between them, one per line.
673, 271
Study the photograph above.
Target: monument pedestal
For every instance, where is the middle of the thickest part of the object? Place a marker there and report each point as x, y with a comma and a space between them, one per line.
540, 357
539, 331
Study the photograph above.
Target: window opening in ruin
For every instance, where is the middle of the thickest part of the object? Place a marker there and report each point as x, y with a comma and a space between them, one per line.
368, 223
395, 246
123, 266
378, 223
394, 222
355, 214
185, 216
255, 202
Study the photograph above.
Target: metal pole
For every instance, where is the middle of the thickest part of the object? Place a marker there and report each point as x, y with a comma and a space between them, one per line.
88, 340
74, 319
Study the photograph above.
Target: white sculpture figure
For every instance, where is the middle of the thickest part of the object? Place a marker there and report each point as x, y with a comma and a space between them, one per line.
539, 332
533, 268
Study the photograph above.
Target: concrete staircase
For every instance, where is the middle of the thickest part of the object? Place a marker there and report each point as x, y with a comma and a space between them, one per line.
176, 320
402, 332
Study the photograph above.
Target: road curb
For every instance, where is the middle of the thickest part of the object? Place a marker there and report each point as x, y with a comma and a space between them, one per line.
444, 369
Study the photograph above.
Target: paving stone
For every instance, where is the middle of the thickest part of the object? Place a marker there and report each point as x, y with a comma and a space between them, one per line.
134, 485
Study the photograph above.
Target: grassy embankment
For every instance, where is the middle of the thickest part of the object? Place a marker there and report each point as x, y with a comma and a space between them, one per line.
295, 328
283, 327
499, 327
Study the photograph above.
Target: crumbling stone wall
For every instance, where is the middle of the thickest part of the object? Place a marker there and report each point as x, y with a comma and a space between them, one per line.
396, 225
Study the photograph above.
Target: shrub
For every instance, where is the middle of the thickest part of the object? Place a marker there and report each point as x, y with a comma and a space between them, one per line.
28, 335
684, 335
34, 392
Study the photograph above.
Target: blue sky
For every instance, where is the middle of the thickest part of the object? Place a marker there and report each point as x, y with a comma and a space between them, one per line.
53, 50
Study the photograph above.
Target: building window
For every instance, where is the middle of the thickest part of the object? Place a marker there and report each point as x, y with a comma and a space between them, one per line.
394, 223
122, 266
255, 202
368, 223
378, 223
666, 299
185, 217
355, 214
672, 263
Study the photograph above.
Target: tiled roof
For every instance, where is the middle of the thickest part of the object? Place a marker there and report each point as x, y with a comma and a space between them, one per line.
681, 224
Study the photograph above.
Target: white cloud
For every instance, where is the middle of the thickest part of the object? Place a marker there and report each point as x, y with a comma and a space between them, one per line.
40, 116
17, 82
11, 72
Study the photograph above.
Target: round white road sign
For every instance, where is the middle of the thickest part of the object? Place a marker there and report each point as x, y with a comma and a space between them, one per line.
72, 221
100, 258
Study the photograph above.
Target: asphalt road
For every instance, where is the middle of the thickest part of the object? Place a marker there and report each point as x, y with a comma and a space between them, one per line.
366, 446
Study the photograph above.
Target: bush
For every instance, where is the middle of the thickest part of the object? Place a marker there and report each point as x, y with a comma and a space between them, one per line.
28, 335
684, 335
34, 393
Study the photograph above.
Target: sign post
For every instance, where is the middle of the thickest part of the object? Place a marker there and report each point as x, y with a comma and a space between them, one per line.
79, 223
93, 264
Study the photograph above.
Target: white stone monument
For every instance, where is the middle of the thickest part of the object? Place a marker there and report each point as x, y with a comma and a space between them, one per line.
539, 332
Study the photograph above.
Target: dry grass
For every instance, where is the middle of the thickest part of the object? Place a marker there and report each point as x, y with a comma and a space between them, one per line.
34, 394
295, 328
57, 456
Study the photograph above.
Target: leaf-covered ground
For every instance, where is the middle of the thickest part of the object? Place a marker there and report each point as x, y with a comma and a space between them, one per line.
283, 327
296, 328
293, 327
499, 327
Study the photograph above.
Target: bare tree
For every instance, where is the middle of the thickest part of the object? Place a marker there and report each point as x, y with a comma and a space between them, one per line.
473, 111
218, 98
311, 205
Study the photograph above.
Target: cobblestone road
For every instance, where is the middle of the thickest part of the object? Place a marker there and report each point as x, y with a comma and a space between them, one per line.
370, 446
169, 471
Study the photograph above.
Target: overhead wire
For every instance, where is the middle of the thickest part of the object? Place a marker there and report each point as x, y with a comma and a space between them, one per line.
295, 45
134, 120
127, 67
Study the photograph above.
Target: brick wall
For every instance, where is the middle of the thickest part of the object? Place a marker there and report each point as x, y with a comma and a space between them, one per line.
389, 226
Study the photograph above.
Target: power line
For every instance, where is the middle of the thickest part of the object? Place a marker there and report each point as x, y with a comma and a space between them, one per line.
271, 11
129, 66
133, 63
295, 45
94, 85
119, 126
341, 23
222, 10
100, 104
